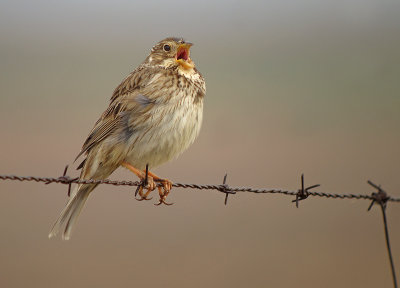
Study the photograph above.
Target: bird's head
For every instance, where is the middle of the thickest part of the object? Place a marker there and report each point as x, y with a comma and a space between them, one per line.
171, 53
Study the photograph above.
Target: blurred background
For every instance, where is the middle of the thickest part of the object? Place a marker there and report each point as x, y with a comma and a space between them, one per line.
292, 87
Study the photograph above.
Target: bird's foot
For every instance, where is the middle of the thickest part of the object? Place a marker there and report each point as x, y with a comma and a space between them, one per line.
148, 181
147, 184
163, 191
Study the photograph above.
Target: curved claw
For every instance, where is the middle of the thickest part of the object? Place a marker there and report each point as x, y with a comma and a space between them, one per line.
149, 186
163, 202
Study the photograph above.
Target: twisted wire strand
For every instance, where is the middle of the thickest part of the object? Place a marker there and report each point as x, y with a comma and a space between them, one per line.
221, 188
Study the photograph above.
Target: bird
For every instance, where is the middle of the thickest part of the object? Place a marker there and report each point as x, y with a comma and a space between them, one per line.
154, 114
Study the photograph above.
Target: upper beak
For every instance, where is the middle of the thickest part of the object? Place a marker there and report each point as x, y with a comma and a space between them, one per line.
183, 55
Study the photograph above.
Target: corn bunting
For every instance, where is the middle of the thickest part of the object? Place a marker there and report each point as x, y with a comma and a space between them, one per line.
153, 115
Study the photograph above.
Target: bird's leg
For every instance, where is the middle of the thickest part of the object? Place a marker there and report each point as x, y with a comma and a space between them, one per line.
167, 185
142, 176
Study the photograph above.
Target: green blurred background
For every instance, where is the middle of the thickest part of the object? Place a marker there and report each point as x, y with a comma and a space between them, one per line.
292, 87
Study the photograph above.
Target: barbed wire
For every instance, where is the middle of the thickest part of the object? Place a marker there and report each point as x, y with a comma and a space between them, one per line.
380, 197
301, 194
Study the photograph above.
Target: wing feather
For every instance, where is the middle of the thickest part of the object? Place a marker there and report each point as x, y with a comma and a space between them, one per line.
120, 102
100, 132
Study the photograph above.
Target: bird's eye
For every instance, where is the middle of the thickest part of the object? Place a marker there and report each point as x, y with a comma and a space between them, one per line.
167, 48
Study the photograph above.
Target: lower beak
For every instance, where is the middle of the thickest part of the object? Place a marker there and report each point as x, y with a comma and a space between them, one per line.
183, 56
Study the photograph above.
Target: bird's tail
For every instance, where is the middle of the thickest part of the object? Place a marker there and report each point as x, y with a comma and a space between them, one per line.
71, 211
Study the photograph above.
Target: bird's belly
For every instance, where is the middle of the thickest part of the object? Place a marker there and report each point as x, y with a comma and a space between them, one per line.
171, 130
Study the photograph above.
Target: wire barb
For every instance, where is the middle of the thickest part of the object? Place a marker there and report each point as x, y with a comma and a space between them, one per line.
64, 179
303, 193
143, 183
68, 179
382, 198
226, 189
146, 179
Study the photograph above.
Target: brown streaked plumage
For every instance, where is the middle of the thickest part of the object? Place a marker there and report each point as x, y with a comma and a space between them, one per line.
153, 115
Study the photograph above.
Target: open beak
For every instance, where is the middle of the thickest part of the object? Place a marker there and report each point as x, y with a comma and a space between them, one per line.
183, 56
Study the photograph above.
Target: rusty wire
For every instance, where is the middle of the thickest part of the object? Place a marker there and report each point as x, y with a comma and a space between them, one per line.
301, 194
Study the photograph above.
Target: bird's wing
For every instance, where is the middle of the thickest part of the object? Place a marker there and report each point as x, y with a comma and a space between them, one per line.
126, 97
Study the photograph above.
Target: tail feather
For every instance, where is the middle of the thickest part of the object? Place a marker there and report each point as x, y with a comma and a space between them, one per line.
71, 211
